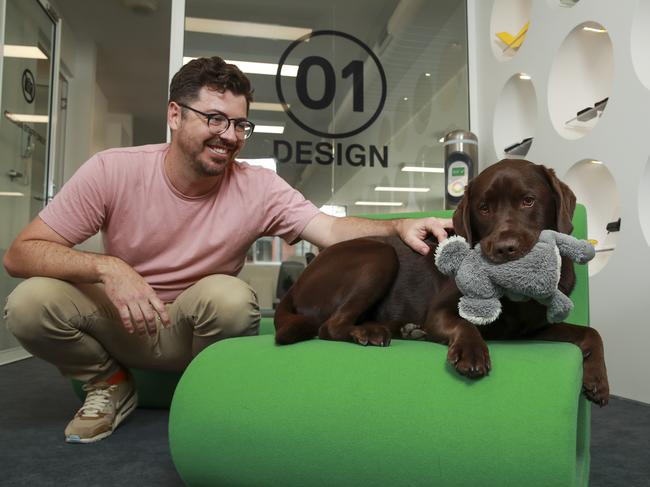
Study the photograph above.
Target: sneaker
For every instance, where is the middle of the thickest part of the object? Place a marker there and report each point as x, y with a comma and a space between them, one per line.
107, 404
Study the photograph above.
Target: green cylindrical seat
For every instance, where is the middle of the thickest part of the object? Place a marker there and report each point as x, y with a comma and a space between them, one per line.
320, 414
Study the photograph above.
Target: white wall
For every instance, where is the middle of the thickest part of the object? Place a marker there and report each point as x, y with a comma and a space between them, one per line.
619, 307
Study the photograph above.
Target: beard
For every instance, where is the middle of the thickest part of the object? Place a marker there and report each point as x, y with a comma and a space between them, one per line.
204, 168
200, 161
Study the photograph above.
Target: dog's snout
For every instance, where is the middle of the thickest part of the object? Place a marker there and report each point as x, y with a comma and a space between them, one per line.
507, 249
504, 248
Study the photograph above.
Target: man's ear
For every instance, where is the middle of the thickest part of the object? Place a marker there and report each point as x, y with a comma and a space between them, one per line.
461, 218
174, 115
565, 201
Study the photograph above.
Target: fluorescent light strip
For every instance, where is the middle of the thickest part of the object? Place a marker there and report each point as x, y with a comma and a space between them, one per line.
423, 169
265, 68
27, 118
267, 162
524, 76
402, 189
244, 29
269, 129
25, 52
268, 107
594, 29
378, 203
251, 67
11, 193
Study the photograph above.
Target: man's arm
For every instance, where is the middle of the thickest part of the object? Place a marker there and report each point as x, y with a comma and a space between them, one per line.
324, 230
40, 251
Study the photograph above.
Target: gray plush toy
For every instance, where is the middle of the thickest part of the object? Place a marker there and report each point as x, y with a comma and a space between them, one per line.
533, 276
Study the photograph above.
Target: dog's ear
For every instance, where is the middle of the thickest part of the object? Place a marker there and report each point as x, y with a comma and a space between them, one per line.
565, 201
461, 218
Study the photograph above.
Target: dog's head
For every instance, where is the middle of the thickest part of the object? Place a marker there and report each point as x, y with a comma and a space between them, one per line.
507, 206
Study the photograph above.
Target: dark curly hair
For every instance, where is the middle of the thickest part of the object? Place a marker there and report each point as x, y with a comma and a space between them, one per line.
212, 72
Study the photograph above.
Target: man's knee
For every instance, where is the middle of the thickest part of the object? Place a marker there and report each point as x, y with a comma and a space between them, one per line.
30, 305
231, 307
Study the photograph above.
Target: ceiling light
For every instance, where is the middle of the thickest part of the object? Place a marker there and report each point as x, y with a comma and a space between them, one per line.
596, 162
423, 169
269, 107
441, 140
334, 210
27, 52
269, 129
524, 76
11, 193
265, 68
427, 75
251, 67
406, 98
402, 189
594, 29
378, 203
244, 29
267, 162
27, 118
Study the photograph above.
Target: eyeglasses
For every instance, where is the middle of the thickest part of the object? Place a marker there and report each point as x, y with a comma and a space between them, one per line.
218, 123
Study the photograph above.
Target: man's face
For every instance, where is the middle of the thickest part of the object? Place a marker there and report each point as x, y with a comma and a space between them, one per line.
209, 154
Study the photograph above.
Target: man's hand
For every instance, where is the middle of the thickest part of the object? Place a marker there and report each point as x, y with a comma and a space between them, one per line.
134, 299
414, 230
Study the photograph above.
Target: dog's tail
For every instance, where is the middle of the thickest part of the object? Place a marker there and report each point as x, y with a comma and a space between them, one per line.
291, 327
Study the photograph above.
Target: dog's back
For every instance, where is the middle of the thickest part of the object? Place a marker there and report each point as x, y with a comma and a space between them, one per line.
418, 281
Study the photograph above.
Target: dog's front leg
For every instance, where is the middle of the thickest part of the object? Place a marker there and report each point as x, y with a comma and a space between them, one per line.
468, 352
594, 376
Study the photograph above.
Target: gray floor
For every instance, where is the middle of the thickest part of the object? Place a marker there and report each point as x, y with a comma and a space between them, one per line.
35, 403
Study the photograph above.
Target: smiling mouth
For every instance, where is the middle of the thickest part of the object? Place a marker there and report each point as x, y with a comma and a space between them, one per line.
218, 150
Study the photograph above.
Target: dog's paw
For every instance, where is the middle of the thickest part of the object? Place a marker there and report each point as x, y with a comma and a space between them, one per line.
371, 335
471, 359
594, 383
411, 331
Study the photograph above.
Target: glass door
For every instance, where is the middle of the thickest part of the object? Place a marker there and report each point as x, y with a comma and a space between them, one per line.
28, 68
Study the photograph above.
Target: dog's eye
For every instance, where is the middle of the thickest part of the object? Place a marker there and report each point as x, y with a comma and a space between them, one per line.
528, 201
484, 208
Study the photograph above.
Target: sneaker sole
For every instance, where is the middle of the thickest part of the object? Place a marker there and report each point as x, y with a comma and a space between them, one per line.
127, 408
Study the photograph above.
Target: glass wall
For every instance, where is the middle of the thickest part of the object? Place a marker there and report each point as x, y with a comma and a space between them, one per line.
351, 102
27, 70
351, 98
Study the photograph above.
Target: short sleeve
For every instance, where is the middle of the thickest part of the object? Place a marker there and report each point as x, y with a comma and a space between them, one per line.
79, 210
287, 211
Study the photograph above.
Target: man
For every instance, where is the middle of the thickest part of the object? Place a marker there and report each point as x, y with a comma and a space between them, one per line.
176, 220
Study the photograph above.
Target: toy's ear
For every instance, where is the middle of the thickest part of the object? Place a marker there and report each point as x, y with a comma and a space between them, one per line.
565, 201
461, 218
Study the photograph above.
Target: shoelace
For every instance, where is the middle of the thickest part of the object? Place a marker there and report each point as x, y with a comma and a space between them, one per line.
96, 401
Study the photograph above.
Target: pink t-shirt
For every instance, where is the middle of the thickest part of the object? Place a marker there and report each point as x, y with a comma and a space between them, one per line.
170, 239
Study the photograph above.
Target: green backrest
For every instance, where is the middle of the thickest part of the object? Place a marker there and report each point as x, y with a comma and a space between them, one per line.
580, 294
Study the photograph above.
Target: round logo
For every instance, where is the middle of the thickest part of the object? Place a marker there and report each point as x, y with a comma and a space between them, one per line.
337, 89
29, 86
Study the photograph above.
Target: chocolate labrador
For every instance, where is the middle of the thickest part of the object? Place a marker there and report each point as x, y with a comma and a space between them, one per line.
368, 290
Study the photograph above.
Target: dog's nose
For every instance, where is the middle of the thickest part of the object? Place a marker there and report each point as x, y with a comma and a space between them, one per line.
506, 249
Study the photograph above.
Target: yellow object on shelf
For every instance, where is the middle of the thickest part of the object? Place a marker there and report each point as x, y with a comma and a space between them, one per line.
593, 241
513, 42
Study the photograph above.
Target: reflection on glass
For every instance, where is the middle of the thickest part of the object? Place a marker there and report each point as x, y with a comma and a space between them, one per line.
356, 104
24, 123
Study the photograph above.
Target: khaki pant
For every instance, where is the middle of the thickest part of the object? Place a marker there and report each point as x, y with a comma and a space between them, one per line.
76, 328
